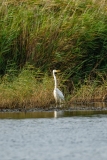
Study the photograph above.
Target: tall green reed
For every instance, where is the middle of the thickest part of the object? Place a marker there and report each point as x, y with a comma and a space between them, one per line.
69, 35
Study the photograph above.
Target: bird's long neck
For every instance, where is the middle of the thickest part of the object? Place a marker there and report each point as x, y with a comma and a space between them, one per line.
55, 80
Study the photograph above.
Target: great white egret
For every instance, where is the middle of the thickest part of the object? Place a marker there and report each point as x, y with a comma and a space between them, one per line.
58, 95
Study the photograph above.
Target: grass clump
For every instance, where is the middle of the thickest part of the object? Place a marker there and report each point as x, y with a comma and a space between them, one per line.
28, 90
91, 91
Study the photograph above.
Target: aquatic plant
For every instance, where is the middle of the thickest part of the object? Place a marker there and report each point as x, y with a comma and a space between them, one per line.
69, 35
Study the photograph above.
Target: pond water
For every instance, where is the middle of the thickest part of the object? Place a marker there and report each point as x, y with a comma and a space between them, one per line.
57, 135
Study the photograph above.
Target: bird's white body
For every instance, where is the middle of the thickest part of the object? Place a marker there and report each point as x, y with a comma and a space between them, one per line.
58, 95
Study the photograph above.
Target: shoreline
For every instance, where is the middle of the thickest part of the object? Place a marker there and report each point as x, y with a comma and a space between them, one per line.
93, 106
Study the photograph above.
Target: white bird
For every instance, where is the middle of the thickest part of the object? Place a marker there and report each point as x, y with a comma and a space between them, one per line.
58, 95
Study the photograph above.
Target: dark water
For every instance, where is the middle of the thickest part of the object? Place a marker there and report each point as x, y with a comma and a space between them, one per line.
78, 135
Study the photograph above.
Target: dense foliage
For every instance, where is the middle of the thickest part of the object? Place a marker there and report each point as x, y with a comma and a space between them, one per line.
70, 35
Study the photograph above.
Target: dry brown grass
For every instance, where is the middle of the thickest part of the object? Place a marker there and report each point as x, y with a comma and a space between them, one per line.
90, 93
27, 91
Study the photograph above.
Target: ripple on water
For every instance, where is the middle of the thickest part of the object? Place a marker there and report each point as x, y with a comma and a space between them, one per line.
67, 138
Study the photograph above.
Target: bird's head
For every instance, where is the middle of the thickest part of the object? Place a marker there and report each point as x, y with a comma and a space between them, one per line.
55, 71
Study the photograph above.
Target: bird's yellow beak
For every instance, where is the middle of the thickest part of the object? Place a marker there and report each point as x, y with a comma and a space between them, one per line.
57, 70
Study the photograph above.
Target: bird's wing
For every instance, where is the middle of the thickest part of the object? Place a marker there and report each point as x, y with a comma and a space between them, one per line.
60, 94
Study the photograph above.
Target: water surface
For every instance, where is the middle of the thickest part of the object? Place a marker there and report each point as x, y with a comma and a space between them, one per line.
54, 136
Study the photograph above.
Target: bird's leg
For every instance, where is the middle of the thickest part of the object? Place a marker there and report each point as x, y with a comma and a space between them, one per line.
56, 105
56, 101
60, 101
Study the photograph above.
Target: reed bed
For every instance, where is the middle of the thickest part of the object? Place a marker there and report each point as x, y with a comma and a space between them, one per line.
69, 35
30, 89
91, 91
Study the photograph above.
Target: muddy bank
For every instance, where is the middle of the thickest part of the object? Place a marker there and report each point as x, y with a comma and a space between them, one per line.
95, 106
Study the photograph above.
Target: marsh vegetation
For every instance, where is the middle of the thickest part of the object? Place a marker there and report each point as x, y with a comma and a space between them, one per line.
38, 36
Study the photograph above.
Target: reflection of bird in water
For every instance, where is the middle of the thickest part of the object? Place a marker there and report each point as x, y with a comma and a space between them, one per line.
58, 95
55, 114
58, 114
